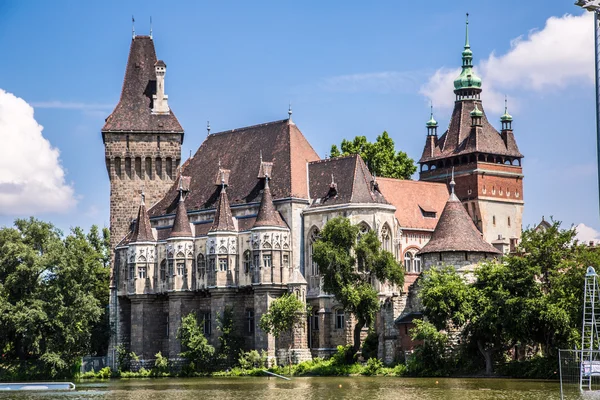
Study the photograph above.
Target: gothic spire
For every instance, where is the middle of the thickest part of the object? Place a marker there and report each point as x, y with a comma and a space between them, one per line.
467, 78
181, 224
267, 213
223, 221
142, 232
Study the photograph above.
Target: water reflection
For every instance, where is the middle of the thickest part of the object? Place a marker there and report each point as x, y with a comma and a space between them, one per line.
351, 388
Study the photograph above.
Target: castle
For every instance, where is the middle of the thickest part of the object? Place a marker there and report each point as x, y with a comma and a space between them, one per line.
233, 226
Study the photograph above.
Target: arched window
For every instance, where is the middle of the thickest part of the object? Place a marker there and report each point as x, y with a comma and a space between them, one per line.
170, 271
201, 265
138, 167
412, 263
386, 240
158, 167
169, 167
247, 261
148, 168
128, 167
312, 265
363, 228
118, 167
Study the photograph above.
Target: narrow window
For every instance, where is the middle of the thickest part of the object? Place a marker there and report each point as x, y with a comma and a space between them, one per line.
212, 264
494, 220
250, 321
201, 264
158, 142
286, 260
170, 266
148, 168
267, 262
508, 221
206, 325
256, 261
315, 324
169, 167
142, 272
158, 167
163, 270
340, 318
131, 272
247, 261
138, 167
181, 270
128, 167
118, 167
127, 141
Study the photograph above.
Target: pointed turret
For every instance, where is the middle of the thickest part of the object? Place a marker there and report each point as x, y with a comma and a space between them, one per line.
468, 84
223, 221
267, 214
142, 232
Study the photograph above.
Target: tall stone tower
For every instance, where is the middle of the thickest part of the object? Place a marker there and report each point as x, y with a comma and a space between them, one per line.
142, 138
487, 163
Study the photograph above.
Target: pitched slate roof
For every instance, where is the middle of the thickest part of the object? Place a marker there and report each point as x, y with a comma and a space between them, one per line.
267, 214
455, 231
223, 221
353, 183
412, 199
239, 151
142, 231
460, 138
134, 110
181, 225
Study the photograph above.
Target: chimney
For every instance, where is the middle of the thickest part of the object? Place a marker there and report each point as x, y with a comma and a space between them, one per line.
161, 105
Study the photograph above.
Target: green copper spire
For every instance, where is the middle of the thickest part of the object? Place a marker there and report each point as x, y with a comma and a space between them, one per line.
476, 112
506, 117
432, 122
467, 78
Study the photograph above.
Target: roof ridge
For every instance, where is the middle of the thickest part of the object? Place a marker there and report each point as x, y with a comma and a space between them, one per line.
249, 127
333, 158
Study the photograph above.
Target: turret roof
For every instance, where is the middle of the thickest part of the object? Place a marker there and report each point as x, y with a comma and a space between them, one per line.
181, 225
142, 232
223, 221
267, 213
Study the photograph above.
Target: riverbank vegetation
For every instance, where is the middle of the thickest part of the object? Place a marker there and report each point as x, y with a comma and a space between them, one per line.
53, 299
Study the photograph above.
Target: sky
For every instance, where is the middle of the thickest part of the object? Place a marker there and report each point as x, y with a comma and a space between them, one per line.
348, 68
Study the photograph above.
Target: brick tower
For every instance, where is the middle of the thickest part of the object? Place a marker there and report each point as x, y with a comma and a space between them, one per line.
142, 141
142, 138
487, 163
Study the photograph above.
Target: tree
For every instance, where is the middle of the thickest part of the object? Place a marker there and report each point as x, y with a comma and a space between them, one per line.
283, 315
381, 156
230, 342
349, 263
51, 295
197, 350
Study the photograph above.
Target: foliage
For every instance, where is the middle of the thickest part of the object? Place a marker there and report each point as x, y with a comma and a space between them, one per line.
53, 296
161, 365
284, 314
198, 352
371, 345
349, 263
344, 355
531, 299
380, 156
123, 359
230, 342
373, 367
253, 359
430, 358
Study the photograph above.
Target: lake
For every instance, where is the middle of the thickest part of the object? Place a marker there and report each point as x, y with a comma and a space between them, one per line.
353, 388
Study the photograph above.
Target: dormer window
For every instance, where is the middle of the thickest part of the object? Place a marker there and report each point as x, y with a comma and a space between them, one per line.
427, 212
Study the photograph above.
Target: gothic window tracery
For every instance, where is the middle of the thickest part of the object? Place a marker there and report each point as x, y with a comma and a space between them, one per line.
412, 263
386, 239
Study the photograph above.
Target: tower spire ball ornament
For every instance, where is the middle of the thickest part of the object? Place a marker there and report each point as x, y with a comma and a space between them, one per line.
132, 27
290, 113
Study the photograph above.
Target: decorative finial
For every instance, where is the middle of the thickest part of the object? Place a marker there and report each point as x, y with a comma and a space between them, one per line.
150, 27
467, 34
222, 180
132, 27
431, 109
208, 127
290, 113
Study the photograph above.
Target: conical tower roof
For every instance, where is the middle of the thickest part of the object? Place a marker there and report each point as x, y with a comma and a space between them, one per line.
455, 231
181, 225
223, 221
142, 232
267, 214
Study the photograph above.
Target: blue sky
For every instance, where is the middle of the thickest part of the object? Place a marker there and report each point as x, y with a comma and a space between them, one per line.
349, 68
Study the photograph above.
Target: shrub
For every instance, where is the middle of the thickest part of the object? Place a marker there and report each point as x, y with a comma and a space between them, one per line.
161, 365
253, 359
373, 367
371, 345
343, 356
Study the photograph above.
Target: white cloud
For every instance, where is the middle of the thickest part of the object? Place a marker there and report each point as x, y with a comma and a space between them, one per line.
373, 82
560, 54
586, 234
32, 180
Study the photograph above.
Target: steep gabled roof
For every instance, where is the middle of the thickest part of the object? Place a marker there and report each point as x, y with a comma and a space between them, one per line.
455, 231
134, 110
181, 225
239, 151
460, 138
223, 221
352, 182
415, 201
142, 231
267, 214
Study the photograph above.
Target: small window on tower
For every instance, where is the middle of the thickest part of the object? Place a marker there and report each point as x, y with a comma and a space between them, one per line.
508, 221
494, 220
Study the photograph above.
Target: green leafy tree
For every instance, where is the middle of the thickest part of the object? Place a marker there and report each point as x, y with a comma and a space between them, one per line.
283, 315
380, 156
230, 342
431, 357
348, 264
51, 294
198, 351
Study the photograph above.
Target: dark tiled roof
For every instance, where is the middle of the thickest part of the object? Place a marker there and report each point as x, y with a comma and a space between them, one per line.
408, 318
239, 151
245, 224
134, 110
455, 231
267, 214
411, 198
181, 225
461, 138
223, 221
142, 232
353, 183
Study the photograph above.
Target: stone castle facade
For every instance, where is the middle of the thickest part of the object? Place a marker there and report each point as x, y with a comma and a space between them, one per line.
233, 226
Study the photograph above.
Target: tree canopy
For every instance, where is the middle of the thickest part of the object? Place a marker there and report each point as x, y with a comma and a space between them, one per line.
53, 295
283, 315
348, 264
380, 156
532, 298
